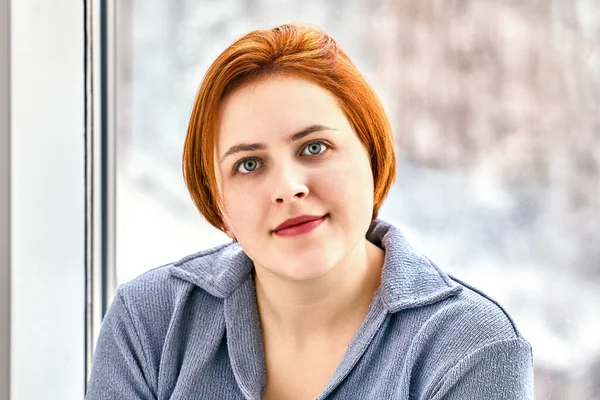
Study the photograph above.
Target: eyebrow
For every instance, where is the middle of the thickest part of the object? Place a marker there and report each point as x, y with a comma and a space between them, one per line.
261, 146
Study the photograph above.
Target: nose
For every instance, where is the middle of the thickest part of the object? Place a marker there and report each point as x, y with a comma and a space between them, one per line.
288, 185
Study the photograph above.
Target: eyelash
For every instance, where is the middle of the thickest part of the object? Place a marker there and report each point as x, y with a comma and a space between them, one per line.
239, 163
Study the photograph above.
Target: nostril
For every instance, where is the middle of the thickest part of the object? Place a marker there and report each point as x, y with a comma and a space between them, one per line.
282, 198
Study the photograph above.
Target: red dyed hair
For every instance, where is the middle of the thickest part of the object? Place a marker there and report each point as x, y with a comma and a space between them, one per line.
303, 51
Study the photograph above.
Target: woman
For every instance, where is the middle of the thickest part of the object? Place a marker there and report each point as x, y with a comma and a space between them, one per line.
290, 153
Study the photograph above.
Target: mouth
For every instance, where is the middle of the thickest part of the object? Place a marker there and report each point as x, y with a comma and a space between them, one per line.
301, 228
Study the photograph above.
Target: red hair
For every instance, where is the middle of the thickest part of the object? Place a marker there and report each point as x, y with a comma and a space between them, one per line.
303, 51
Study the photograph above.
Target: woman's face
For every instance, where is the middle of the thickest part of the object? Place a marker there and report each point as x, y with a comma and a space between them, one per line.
323, 171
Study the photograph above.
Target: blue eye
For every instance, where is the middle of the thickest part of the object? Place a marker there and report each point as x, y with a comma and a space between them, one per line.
251, 164
314, 147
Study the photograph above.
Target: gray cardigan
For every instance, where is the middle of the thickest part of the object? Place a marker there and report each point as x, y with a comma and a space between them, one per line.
190, 330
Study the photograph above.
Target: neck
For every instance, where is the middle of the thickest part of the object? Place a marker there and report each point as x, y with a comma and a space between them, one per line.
325, 307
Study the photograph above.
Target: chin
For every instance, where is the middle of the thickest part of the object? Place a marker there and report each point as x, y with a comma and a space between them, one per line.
305, 271
304, 275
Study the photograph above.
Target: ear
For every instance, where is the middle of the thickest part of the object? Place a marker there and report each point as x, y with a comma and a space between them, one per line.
229, 233
227, 228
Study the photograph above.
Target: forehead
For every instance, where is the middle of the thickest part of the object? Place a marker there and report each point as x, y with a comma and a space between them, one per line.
274, 107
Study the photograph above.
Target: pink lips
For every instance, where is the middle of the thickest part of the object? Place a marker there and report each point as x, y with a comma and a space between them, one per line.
299, 226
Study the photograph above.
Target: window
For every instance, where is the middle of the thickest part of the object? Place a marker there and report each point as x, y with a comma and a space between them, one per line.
495, 111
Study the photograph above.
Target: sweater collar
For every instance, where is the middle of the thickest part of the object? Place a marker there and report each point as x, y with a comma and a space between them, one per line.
408, 279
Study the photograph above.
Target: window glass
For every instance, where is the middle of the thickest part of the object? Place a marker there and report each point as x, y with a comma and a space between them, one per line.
495, 113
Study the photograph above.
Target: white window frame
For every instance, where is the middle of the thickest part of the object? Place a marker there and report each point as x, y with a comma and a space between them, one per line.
100, 151
55, 193
5, 292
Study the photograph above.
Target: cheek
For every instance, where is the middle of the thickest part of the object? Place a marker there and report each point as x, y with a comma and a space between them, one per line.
238, 207
349, 183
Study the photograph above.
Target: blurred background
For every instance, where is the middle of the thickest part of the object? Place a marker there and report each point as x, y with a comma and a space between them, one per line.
496, 113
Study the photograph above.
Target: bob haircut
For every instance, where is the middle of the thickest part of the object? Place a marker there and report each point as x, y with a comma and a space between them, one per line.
303, 51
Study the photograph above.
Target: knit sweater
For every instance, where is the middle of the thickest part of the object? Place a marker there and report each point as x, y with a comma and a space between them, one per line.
191, 330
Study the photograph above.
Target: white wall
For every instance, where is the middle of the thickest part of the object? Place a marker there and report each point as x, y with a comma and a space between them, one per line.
47, 199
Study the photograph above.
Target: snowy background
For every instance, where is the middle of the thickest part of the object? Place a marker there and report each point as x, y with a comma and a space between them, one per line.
496, 112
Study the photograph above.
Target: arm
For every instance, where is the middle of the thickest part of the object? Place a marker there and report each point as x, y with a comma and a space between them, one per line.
501, 370
119, 359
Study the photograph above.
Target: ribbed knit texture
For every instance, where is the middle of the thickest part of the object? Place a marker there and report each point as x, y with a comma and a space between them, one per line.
190, 330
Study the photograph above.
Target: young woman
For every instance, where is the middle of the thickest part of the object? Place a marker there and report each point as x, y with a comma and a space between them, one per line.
290, 153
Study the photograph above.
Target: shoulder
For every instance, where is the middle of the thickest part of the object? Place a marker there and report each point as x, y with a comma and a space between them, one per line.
144, 314
465, 322
147, 309
153, 299
154, 290
464, 334
474, 312
466, 331
162, 288
147, 304
482, 351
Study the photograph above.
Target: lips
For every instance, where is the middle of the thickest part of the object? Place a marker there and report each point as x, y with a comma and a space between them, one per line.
297, 221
